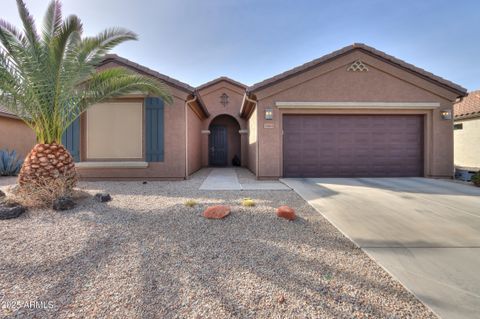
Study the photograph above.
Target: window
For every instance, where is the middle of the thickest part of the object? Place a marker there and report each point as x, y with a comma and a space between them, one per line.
115, 131
458, 126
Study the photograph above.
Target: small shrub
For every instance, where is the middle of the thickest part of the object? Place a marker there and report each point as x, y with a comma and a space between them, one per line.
10, 164
43, 194
476, 179
327, 276
191, 203
248, 202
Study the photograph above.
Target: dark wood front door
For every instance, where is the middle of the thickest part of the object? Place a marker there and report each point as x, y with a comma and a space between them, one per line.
352, 145
218, 146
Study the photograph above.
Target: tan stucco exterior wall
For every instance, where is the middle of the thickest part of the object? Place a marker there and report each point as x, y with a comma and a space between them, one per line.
211, 98
194, 128
173, 166
16, 135
252, 141
467, 144
332, 82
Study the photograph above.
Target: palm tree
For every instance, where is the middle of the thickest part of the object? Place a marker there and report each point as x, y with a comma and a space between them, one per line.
48, 78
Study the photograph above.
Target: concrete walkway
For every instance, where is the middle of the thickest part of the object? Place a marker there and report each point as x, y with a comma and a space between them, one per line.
424, 232
221, 179
226, 178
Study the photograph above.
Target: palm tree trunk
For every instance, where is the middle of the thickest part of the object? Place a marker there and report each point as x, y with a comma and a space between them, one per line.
46, 163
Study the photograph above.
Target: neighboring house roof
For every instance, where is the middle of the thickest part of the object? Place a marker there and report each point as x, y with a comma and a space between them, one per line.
6, 113
366, 49
142, 69
220, 79
468, 107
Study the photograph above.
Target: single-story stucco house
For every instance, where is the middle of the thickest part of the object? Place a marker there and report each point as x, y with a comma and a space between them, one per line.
354, 112
467, 132
15, 134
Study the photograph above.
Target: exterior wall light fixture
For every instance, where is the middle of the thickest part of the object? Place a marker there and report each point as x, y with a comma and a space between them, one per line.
269, 114
446, 114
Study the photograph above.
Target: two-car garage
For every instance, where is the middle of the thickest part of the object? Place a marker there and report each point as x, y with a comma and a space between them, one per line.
357, 112
353, 145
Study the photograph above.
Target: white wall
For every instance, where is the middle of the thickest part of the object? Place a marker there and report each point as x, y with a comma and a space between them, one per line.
467, 144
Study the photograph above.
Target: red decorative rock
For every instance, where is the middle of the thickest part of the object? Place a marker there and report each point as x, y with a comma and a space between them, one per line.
216, 212
286, 212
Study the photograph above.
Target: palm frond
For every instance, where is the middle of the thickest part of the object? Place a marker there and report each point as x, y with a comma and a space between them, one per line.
94, 48
28, 23
52, 21
49, 81
115, 82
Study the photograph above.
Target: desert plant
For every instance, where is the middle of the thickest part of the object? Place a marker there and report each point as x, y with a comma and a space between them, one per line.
248, 202
10, 164
191, 203
476, 179
42, 193
49, 78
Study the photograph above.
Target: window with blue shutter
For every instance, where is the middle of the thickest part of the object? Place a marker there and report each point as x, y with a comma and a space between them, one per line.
154, 127
71, 139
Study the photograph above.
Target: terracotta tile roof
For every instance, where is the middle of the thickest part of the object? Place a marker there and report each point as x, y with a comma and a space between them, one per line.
369, 50
222, 78
5, 112
176, 83
469, 107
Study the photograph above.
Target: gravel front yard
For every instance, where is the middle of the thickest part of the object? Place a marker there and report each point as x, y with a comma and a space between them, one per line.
146, 255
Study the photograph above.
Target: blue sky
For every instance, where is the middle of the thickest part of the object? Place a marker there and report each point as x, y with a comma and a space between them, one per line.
249, 40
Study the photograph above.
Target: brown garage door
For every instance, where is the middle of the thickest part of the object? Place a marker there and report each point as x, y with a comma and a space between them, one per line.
352, 145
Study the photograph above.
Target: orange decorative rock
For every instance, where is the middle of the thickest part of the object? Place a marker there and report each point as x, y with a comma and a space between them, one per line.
286, 212
216, 212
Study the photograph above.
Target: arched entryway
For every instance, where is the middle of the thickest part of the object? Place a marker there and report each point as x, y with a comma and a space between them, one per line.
224, 143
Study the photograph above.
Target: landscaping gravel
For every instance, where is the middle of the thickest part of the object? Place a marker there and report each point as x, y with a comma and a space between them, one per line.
146, 255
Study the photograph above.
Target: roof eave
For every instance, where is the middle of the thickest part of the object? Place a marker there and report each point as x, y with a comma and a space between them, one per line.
200, 104
147, 71
248, 105
457, 89
220, 79
9, 115
467, 116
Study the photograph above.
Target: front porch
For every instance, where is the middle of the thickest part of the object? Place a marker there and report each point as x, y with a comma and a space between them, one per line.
225, 143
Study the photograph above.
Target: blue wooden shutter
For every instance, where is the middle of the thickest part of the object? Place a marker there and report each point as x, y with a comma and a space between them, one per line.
71, 139
154, 129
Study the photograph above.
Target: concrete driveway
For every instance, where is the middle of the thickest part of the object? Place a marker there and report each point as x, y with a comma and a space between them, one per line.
424, 232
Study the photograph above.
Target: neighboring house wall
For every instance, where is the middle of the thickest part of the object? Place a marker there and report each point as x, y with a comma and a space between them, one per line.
194, 128
16, 135
173, 164
252, 141
332, 82
467, 144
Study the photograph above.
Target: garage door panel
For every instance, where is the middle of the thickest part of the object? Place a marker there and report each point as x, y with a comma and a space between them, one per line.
353, 145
